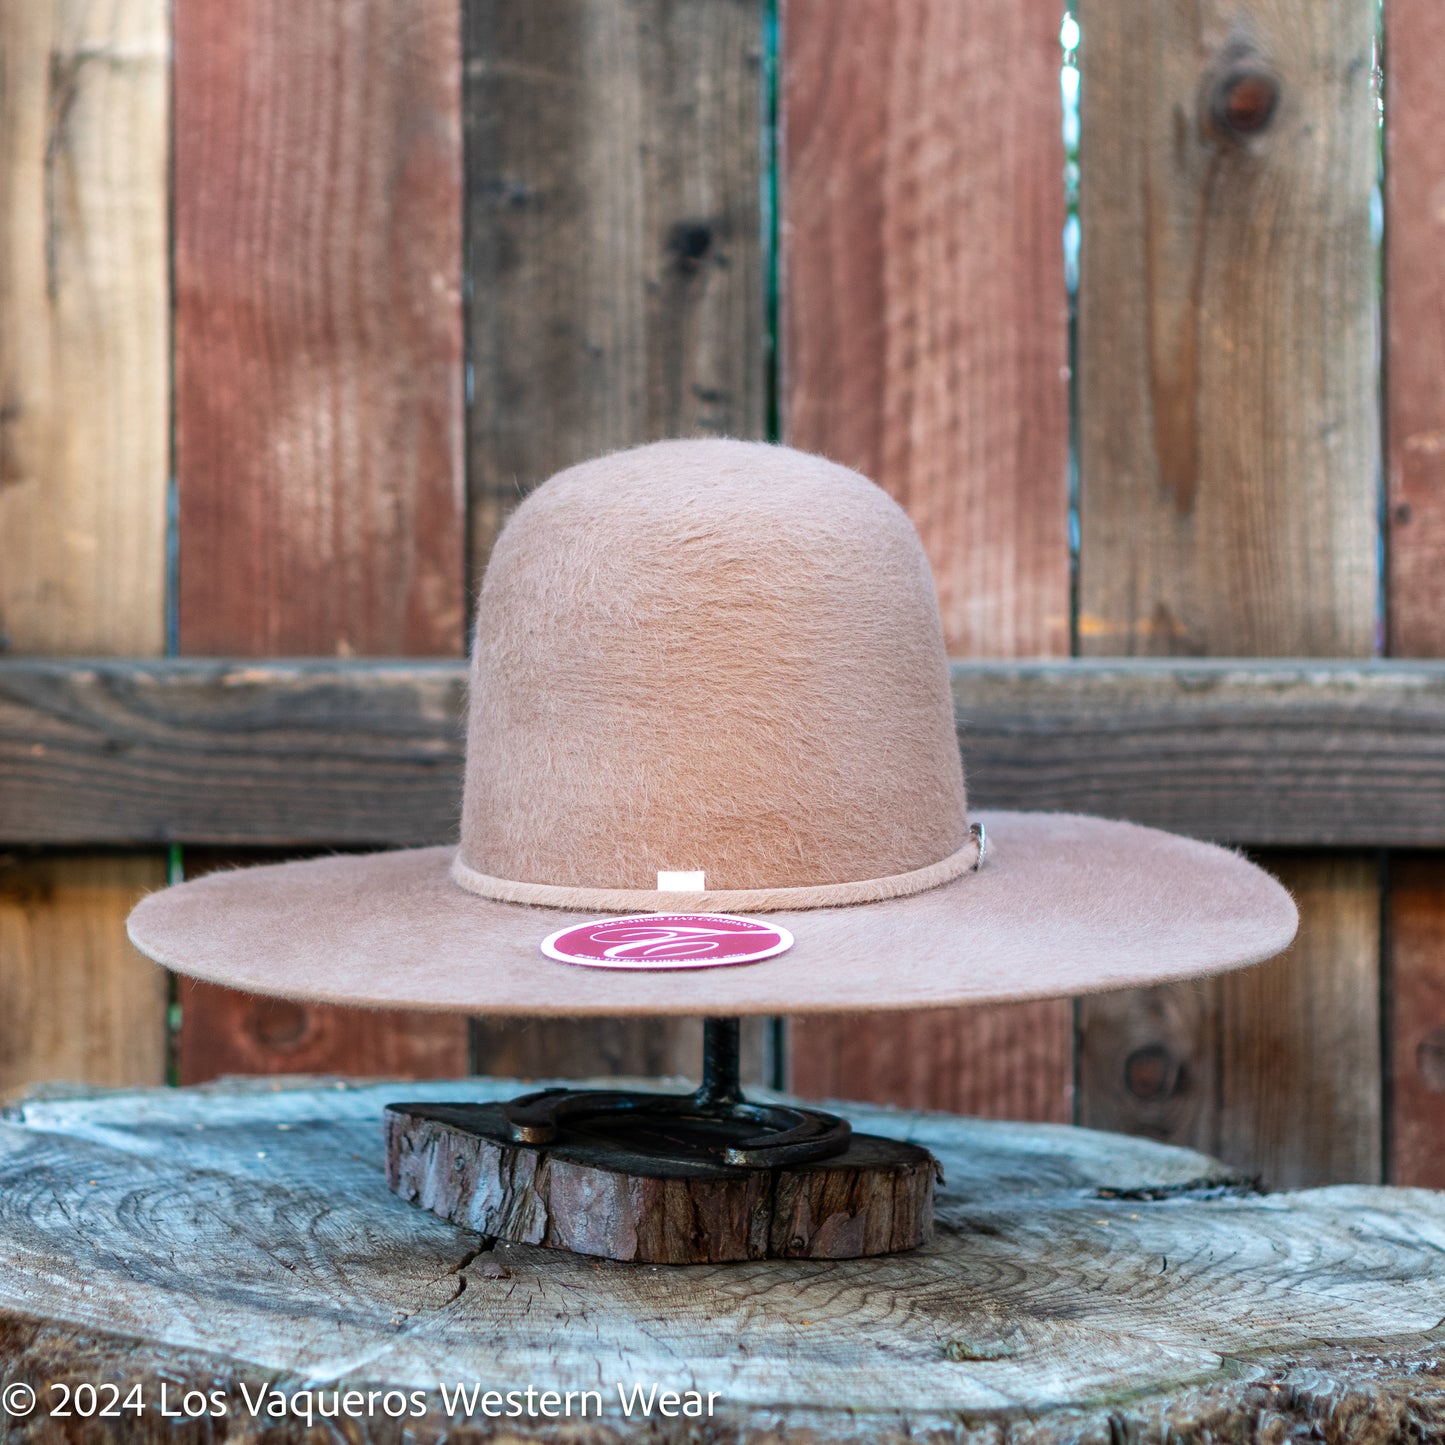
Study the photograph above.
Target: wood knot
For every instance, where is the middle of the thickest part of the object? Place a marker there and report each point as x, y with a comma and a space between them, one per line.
277, 1024
1430, 1060
999, 1347
1242, 96
1152, 1072
689, 242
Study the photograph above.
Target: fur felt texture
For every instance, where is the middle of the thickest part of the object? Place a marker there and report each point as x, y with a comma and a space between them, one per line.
721, 657
1062, 905
714, 656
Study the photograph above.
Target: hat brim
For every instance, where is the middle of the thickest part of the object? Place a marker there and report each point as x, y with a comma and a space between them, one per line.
1062, 905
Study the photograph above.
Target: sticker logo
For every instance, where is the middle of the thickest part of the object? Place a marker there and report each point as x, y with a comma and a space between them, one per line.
667, 940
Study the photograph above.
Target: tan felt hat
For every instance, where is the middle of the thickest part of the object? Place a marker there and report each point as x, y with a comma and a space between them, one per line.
709, 676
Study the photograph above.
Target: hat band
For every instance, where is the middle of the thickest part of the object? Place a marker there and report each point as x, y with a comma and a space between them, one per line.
724, 900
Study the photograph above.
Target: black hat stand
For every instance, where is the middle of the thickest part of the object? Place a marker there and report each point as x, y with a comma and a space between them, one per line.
664, 1178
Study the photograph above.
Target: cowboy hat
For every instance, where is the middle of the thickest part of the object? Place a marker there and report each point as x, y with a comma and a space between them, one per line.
709, 677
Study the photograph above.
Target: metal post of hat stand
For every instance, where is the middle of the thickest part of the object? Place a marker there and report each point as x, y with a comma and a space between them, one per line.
713, 1124
721, 1062
664, 1178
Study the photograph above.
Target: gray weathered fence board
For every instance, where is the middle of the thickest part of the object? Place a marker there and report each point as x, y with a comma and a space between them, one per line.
229, 752
199, 751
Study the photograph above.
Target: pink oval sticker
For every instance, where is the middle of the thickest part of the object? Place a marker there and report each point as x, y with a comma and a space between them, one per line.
667, 940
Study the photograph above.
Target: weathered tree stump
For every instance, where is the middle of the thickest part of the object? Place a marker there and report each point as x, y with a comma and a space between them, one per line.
593, 1196
241, 1242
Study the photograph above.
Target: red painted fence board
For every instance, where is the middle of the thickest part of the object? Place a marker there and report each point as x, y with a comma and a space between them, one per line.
1415, 471
318, 351
924, 319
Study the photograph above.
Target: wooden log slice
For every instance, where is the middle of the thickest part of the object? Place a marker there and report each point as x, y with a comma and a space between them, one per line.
593, 1196
1079, 1288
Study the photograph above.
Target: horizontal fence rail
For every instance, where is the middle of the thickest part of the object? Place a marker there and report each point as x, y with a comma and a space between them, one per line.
355, 753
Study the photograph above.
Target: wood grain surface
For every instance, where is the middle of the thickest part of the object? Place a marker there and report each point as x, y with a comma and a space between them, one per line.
319, 404
592, 1194
1081, 1287
614, 239
79, 1002
924, 333
923, 309
656, 1048
1415, 933
355, 753
1300, 1064
84, 375
200, 751
617, 274
1415, 327
1272, 1065
1415, 605
1228, 431
247, 1034
1007, 1061
83, 468
318, 327
1228, 500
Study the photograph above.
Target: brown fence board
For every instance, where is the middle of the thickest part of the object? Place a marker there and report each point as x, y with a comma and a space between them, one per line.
244, 1034
1152, 1058
1415, 327
1416, 939
354, 753
1227, 1060
1228, 459
318, 327
614, 242
924, 313
1415, 471
199, 751
1300, 1066
617, 274
79, 1002
83, 369
539, 1049
917, 333
83, 466
1013, 1061
318, 377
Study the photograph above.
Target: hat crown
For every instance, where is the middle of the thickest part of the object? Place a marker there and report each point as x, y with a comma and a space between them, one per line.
711, 657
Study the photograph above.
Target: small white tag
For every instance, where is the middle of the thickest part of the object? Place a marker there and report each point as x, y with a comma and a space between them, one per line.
681, 883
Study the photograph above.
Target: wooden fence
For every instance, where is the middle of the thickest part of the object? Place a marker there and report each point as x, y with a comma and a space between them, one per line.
298, 299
